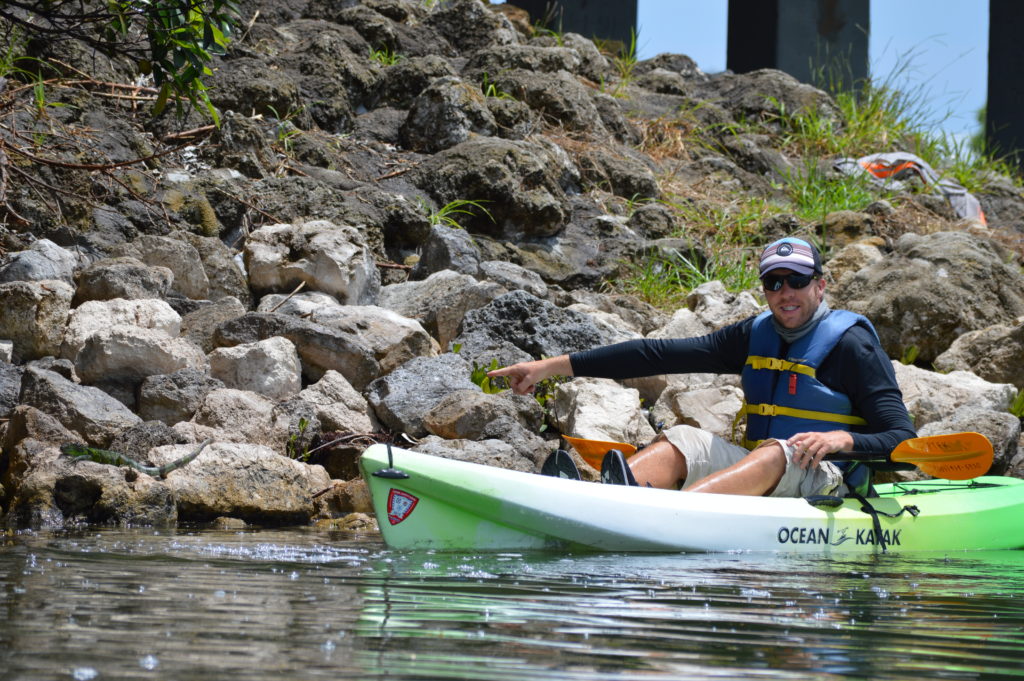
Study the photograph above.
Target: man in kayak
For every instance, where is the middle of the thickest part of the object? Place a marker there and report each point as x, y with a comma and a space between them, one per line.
815, 381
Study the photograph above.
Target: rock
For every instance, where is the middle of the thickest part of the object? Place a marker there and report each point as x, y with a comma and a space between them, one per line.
446, 113
993, 353
932, 396
712, 408
319, 254
474, 415
96, 416
440, 301
174, 397
339, 406
469, 26
43, 260
600, 409
34, 314
522, 184
98, 316
245, 481
401, 83
125, 277
180, 257
10, 387
232, 416
447, 248
269, 367
403, 397
320, 348
498, 453
535, 326
932, 290
513, 277
130, 354
200, 325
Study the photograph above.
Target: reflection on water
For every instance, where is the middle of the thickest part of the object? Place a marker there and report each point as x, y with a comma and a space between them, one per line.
300, 604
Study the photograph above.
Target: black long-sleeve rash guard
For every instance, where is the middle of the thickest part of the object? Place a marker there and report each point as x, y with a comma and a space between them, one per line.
856, 367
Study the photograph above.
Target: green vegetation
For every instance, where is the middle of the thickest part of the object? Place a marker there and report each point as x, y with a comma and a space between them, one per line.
624, 60
1017, 406
295, 438
490, 89
910, 354
174, 40
385, 57
445, 215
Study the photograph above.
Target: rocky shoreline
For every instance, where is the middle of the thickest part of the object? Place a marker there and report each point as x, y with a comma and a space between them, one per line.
290, 283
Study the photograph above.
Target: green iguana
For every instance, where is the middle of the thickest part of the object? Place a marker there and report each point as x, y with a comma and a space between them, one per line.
85, 453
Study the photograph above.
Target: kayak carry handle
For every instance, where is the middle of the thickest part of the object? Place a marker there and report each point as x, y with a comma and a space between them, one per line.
391, 473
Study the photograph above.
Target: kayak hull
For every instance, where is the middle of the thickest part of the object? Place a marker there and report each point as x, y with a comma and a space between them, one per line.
452, 505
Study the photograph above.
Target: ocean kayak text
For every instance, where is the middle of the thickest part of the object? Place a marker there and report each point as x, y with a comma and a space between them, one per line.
820, 535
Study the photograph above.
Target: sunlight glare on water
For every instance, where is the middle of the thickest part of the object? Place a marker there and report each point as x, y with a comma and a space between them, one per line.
301, 604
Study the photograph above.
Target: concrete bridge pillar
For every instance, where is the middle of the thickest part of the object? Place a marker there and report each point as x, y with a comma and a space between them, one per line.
1004, 119
604, 19
823, 42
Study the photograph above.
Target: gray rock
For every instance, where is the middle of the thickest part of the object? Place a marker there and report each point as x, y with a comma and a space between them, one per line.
469, 26
34, 314
447, 248
401, 398
446, 113
125, 277
993, 353
10, 387
533, 325
180, 257
43, 260
95, 415
401, 83
522, 184
244, 481
174, 397
932, 290
320, 347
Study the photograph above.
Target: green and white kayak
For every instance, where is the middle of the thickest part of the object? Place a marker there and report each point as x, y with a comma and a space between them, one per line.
450, 505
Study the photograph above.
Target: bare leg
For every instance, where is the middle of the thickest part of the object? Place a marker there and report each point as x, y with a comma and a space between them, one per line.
756, 474
660, 464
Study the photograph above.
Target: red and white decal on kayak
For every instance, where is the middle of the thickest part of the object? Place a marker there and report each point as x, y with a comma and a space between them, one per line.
400, 505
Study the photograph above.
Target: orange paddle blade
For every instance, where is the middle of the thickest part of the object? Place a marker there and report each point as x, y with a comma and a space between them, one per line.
593, 451
957, 456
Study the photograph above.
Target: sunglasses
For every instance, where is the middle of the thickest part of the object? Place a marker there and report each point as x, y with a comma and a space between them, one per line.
773, 282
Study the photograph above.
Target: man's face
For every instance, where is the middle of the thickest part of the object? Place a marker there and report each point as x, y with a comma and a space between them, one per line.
793, 306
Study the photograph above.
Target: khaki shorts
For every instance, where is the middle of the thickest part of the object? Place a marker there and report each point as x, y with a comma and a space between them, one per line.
706, 454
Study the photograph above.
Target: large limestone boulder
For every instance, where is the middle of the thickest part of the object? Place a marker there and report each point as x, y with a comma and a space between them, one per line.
319, 254
994, 353
269, 367
600, 409
92, 413
932, 290
33, 318
40, 261
242, 480
95, 316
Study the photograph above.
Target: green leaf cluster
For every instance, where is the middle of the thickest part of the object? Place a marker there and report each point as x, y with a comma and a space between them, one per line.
182, 36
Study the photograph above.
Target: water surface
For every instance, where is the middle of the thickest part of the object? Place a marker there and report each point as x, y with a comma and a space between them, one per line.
303, 604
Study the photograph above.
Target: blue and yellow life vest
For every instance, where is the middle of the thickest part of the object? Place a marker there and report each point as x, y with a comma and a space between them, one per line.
783, 395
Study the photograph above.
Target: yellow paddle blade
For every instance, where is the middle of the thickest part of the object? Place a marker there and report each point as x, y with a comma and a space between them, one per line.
957, 456
593, 451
